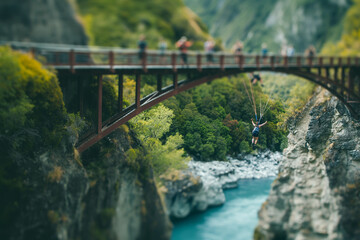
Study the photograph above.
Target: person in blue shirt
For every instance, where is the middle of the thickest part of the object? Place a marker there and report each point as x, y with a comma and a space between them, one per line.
256, 131
142, 46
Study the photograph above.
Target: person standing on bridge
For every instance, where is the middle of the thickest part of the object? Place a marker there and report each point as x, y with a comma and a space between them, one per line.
142, 45
264, 52
209, 49
237, 49
183, 44
256, 131
310, 52
162, 49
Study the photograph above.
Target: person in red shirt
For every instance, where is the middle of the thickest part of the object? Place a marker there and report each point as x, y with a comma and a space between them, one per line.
183, 44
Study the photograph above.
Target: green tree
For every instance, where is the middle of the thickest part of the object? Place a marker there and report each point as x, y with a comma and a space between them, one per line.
150, 126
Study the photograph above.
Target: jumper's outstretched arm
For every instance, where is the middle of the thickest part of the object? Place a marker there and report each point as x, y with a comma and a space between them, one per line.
263, 124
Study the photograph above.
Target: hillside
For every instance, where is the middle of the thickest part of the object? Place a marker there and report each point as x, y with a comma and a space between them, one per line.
297, 22
40, 21
121, 22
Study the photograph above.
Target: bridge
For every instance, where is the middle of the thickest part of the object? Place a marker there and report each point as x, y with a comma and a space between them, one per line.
339, 75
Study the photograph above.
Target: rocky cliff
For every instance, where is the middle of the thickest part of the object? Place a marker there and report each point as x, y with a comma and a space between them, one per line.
48, 21
317, 192
274, 22
103, 195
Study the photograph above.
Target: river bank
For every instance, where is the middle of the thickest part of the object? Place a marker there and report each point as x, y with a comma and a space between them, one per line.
236, 219
201, 185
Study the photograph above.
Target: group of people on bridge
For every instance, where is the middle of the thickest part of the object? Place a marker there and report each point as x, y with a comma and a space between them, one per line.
183, 44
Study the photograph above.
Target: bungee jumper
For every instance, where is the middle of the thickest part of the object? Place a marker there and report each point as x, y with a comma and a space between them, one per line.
255, 78
263, 109
255, 132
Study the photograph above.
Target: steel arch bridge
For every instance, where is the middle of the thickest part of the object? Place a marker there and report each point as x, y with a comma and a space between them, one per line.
339, 75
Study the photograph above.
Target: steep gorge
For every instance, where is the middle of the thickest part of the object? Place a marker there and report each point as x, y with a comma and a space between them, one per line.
316, 194
48, 190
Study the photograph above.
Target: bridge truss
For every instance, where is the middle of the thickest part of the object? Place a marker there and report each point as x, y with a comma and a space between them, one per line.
340, 76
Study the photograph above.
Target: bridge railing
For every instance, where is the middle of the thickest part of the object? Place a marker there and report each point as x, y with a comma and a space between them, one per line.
71, 56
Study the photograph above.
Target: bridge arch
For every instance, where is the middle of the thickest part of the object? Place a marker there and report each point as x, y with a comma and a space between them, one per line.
194, 79
340, 76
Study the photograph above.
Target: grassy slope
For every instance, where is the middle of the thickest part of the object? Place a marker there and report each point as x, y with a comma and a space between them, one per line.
121, 22
349, 45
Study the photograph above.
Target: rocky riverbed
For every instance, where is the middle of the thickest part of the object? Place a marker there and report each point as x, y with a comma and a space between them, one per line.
201, 185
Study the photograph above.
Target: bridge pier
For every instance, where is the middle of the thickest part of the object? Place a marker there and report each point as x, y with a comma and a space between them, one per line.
99, 110
81, 96
137, 91
120, 92
159, 82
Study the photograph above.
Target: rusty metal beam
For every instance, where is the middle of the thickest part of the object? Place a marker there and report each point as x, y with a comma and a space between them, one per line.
159, 82
350, 83
173, 62
222, 62
111, 61
336, 79
175, 80
198, 62
72, 60
108, 129
137, 91
120, 92
99, 113
324, 83
81, 95
342, 81
286, 61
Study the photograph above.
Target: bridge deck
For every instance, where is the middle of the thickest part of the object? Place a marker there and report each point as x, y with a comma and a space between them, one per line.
339, 75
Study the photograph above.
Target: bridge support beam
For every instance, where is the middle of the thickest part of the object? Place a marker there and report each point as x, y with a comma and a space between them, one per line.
175, 80
80, 95
137, 93
342, 81
159, 82
120, 92
336, 77
99, 123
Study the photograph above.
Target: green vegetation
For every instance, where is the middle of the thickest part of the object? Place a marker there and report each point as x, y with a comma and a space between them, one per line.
30, 98
215, 118
33, 117
121, 22
293, 92
150, 126
349, 45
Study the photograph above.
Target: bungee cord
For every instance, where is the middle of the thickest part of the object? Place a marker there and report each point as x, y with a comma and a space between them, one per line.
263, 109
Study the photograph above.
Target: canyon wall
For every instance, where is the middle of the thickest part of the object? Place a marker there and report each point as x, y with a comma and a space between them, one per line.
317, 192
43, 21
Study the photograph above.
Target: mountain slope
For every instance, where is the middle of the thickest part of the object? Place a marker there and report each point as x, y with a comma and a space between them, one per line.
121, 22
275, 22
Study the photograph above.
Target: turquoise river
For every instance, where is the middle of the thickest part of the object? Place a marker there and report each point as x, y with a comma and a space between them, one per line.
236, 219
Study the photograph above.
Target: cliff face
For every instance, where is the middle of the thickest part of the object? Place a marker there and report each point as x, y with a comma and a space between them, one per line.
274, 22
316, 194
101, 196
48, 21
